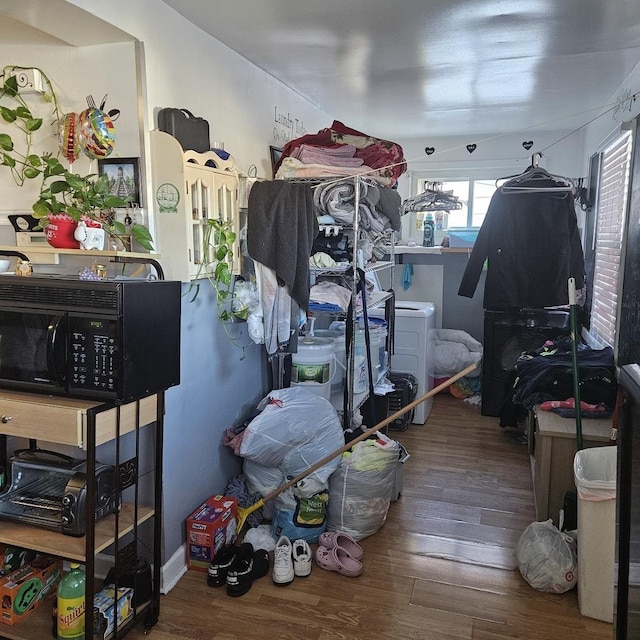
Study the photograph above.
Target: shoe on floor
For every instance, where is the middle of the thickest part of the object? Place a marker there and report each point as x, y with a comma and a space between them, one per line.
338, 559
241, 573
283, 572
260, 563
332, 539
301, 554
217, 573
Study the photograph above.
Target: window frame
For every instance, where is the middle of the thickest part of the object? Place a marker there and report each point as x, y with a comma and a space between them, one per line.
421, 179
616, 156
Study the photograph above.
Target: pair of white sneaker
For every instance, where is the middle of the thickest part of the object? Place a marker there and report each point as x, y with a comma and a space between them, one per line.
290, 560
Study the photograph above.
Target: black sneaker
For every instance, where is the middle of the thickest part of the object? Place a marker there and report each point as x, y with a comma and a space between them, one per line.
241, 573
217, 575
260, 563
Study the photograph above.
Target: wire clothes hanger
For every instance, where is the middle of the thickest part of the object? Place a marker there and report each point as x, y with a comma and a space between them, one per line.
535, 179
433, 198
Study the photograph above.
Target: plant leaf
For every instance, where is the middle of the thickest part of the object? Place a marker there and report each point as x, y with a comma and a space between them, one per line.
23, 112
8, 115
11, 85
74, 181
59, 186
33, 124
142, 236
6, 144
112, 202
31, 172
34, 160
8, 161
40, 209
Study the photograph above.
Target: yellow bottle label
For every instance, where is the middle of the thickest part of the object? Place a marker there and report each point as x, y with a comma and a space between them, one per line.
71, 617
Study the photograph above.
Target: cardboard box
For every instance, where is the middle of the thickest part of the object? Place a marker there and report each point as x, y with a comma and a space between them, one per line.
103, 610
211, 526
25, 589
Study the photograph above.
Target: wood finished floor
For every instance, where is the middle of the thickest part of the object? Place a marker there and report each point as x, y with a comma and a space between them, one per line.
467, 494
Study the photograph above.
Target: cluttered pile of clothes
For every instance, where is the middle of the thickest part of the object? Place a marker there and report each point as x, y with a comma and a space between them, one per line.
338, 151
287, 218
546, 376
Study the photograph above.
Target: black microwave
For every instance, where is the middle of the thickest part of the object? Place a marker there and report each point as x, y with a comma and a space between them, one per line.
106, 340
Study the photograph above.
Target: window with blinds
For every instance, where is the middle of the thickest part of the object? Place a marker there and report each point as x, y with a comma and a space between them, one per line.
612, 205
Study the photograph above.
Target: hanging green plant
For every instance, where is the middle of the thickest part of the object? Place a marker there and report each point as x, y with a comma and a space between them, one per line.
218, 244
61, 192
24, 165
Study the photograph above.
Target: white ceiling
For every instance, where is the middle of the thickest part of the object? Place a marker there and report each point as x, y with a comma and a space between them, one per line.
437, 67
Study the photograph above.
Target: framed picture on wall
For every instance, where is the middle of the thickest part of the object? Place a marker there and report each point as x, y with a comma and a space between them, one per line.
124, 177
276, 154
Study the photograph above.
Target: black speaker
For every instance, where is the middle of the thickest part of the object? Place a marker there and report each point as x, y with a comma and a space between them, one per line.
507, 333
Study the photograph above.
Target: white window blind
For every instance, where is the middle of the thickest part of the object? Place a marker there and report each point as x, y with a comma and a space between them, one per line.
613, 189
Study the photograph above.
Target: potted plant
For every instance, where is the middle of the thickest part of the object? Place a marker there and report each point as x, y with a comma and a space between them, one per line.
82, 198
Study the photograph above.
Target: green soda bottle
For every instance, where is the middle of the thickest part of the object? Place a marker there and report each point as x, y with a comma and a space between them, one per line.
71, 604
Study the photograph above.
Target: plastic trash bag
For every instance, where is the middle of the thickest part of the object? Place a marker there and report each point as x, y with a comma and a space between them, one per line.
547, 558
360, 489
295, 430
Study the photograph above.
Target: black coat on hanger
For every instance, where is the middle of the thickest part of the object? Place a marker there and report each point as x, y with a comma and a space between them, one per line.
532, 245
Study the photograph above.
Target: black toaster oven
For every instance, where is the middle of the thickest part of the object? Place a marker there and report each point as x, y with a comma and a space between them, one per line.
49, 489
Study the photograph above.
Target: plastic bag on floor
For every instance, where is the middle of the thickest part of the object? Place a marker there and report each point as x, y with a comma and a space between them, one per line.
547, 558
360, 489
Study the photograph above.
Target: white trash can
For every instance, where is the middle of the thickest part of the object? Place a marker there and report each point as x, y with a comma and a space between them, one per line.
594, 470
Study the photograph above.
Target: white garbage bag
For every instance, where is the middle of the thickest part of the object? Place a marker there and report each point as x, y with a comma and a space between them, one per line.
547, 557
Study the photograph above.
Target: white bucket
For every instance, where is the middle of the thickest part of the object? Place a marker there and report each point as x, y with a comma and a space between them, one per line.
313, 366
338, 339
361, 374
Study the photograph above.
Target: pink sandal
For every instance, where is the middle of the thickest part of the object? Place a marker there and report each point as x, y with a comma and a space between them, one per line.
337, 559
332, 539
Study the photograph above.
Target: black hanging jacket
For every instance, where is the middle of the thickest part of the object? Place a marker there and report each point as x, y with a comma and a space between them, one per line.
532, 244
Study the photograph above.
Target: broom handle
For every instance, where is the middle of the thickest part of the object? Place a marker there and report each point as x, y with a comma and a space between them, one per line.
369, 432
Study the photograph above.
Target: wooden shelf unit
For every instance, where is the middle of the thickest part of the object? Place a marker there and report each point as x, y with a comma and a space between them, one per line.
85, 425
552, 443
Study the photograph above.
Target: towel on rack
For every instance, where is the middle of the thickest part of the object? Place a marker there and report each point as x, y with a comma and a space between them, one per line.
281, 227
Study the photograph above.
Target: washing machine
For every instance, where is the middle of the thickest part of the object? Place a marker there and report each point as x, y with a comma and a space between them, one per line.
414, 347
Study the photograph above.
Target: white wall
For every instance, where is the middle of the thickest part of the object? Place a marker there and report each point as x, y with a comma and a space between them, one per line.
621, 107
75, 74
187, 68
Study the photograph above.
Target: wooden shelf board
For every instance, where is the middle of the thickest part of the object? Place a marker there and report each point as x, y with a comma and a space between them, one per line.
34, 625
70, 547
78, 252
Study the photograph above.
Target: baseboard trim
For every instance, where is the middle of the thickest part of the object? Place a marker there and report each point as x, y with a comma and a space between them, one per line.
170, 572
173, 570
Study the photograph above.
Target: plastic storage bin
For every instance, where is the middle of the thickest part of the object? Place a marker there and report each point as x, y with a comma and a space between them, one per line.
594, 470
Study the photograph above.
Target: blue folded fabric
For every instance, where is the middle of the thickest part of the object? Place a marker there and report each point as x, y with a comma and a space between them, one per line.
324, 306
